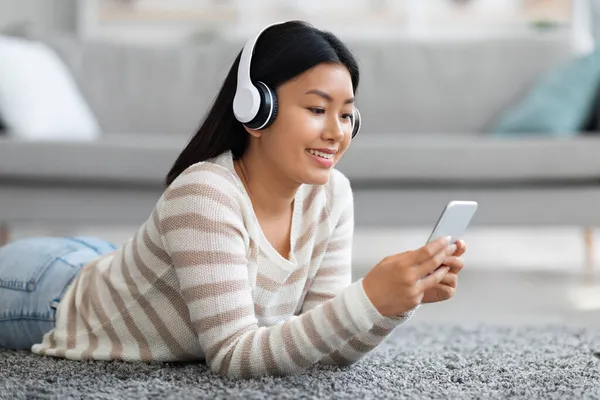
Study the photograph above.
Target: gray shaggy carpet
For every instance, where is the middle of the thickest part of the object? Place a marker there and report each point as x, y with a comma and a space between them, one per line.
417, 361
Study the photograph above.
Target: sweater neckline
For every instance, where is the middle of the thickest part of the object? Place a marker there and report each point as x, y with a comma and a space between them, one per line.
291, 263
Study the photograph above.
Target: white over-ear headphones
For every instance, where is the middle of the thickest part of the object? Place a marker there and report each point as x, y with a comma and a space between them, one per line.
256, 105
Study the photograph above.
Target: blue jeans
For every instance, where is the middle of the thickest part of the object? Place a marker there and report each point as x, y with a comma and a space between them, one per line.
34, 274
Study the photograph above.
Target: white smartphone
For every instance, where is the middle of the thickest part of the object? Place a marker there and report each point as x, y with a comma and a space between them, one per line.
454, 220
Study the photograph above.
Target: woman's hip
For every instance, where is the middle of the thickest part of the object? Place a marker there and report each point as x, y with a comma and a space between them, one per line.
34, 274
24, 263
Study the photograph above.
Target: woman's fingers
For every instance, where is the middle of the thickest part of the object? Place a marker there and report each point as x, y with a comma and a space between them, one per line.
450, 279
432, 279
456, 264
428, 265
461, 248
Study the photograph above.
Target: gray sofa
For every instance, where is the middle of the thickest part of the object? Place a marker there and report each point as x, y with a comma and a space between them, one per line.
426, 108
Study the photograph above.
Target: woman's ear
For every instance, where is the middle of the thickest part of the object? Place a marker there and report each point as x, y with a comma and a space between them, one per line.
253, 132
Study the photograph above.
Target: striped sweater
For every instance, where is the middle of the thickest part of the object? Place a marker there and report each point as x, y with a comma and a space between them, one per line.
199, 281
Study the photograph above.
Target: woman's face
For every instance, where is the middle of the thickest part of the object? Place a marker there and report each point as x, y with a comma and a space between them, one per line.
313, 126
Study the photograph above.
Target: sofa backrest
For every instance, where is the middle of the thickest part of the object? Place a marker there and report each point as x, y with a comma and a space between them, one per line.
412, 87
449, 87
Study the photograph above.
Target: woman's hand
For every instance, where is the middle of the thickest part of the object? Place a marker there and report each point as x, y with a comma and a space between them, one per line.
445, 289
399, 282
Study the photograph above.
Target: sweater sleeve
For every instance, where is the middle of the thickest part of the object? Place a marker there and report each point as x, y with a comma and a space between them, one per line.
334, 275
201, 221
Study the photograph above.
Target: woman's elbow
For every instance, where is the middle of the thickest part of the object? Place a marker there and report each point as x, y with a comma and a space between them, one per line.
338, 360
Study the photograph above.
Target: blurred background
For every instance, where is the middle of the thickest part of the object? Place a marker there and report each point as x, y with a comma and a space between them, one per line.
487, 100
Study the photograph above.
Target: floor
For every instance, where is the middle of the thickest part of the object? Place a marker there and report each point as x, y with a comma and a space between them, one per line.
518, 298
512, 276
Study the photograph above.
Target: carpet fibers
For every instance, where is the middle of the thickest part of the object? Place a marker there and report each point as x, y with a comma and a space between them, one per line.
417, 361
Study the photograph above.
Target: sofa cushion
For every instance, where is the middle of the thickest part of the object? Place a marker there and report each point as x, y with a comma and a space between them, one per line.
560, 104
370, 161
38, 97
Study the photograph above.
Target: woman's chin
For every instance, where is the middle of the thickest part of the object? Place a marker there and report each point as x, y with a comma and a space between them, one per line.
318, 177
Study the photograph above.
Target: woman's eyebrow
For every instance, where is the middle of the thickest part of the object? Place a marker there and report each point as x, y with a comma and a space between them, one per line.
328, 97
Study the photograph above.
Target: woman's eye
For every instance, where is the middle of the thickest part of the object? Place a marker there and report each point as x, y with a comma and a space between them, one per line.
319, 111
315, 110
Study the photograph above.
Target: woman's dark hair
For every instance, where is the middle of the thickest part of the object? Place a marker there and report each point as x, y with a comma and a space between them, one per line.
283, 52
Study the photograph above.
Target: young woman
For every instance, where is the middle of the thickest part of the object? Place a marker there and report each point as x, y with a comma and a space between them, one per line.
245, 261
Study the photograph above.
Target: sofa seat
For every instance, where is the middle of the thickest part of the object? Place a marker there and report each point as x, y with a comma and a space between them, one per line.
371, 159
112, 160
482, 160
398, 180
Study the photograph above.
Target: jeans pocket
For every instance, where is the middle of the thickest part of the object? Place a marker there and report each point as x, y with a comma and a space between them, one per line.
23, 263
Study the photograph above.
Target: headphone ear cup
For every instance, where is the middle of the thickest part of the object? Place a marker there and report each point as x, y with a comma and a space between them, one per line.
267, 110
275, 110
245, 103
357, 121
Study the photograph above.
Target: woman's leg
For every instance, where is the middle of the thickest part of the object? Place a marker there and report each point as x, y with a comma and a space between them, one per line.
33, 276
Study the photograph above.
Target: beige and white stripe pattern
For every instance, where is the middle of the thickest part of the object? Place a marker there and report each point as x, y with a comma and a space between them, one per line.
200, 281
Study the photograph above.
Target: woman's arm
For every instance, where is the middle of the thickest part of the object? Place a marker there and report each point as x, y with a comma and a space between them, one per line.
202, 227
335, 274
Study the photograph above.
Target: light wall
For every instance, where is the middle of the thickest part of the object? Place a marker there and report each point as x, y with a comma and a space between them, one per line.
43, 14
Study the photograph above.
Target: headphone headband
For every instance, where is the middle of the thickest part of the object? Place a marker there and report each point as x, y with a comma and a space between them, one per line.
246, 57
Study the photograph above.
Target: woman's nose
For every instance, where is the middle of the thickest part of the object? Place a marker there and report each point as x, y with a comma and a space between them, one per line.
334, 131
